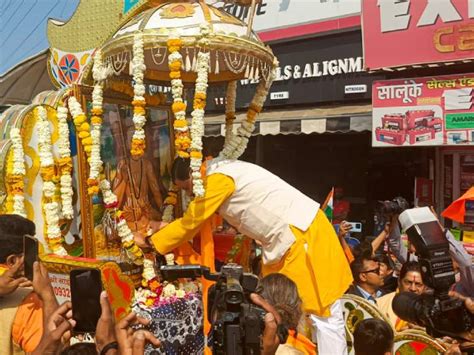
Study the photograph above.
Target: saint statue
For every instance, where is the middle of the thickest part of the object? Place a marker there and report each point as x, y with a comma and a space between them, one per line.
134, 184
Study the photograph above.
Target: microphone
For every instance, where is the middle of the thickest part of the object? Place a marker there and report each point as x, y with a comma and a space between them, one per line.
408, 306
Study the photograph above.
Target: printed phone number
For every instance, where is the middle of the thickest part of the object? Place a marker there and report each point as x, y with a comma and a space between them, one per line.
62, 292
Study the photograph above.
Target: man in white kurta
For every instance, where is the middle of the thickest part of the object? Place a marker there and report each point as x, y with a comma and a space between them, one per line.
296, 237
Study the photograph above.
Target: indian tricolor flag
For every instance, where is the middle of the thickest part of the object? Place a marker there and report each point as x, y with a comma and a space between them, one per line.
328, 205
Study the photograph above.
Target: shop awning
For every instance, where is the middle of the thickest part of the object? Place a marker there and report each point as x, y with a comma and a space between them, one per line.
341, 119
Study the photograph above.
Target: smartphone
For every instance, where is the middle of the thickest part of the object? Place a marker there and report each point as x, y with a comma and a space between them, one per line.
86, 286
30, 252
356, 227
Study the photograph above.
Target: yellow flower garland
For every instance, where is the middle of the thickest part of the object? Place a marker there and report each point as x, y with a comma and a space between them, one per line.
182, 140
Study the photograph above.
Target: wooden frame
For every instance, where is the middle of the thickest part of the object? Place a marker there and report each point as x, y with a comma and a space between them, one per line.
83, 94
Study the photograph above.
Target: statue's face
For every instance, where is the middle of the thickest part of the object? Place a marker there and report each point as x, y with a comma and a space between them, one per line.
185, 185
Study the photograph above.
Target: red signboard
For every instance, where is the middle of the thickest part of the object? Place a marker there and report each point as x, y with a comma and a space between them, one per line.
399, 33
423, 111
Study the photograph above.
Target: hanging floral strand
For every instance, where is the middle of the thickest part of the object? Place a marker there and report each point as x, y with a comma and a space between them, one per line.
197, 126
231, 95
82, 126
100, 73
139, 120
65, 163
50, 207
181, 131
124, 232
237, 144
16, 173
170, 202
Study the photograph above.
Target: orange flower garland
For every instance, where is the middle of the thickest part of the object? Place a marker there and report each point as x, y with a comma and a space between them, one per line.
182, 140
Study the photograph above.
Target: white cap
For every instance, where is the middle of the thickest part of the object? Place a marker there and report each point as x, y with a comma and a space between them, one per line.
416, 216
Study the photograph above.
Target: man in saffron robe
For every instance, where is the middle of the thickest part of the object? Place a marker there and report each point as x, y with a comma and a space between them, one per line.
296, 237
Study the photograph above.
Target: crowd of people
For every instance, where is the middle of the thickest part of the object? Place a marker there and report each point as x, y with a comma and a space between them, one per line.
306, 269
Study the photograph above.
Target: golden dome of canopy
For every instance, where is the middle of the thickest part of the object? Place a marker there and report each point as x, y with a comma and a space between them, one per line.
236, 53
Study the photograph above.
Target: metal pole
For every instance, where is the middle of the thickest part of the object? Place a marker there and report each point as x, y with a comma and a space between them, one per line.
252, 15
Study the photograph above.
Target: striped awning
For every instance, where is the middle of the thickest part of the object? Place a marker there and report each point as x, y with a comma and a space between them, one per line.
341, 119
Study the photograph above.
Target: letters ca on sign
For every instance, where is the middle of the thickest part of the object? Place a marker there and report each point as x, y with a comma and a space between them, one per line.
452, 36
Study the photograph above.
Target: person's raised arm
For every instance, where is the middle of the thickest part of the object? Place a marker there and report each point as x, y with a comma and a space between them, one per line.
218, 189
378, 241
395, 243
43, 288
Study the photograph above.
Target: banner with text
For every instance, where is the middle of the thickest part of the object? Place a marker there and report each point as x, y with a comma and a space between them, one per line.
409, 32
430, 111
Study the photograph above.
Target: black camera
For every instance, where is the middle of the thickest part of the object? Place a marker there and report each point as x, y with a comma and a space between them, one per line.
237, 323
439, 313
395, 206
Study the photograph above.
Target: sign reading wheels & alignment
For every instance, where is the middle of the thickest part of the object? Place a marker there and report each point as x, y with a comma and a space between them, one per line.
423, 111
398, 33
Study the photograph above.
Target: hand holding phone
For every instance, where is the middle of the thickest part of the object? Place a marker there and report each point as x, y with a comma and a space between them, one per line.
30, 251
86, 286
356, 227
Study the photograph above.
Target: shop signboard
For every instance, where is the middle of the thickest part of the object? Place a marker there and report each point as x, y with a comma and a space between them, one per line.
400, 33
311, 71
276, 19
431, 111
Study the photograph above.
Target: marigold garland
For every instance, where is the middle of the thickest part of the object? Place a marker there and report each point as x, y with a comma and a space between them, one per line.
50, 207
82, 126
231, 96
182, 140
15, 173
236, 144
169, 204
139, 120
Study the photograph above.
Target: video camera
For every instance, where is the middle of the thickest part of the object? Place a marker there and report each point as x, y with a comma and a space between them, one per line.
395, 206
237, 323
439, 313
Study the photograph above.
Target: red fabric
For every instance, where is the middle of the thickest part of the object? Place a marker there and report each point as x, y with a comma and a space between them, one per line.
457, 210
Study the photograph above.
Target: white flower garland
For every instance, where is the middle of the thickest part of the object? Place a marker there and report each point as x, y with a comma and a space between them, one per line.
168, 214
109, 198
95, 162
44, 139
197, 126
100, 73
64, 150
19, 205
51, 209
237, 144
18, 172
123, 230
231, 96
139, 120
18, 154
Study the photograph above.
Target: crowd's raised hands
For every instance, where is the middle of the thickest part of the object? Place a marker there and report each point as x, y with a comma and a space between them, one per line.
11, 279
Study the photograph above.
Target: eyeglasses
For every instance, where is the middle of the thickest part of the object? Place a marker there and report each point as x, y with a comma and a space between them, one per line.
376, 271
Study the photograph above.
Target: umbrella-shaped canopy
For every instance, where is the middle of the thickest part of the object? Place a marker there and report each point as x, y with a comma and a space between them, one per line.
235, 51
457, 210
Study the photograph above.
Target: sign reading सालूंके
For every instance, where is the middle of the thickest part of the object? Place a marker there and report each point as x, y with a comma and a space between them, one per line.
431, 111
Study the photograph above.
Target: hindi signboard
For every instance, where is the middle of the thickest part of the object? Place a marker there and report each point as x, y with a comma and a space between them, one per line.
399, 33
430, 111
